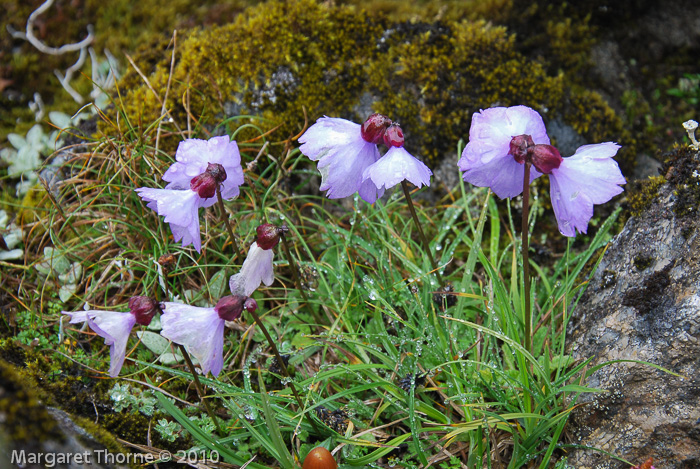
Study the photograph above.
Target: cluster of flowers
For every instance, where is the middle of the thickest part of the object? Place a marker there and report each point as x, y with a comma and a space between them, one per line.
502, 143
202, 169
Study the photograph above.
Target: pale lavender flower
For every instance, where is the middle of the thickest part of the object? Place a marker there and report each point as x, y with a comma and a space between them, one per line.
201, 330
192, 159
115, 327
487, 160
349, 160
343, 154
180, 209
502, 140
257, 268
588, 177
202, 167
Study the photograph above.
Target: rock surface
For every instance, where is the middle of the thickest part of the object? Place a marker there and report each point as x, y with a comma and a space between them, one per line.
643, 303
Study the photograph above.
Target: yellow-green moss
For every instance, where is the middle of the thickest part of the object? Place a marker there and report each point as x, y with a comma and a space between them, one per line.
281, 57
22, 411
640, 198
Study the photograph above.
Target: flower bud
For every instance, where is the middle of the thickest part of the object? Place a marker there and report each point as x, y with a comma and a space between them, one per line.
143, 308
230, 307
393, 137
518, 147
206, 183
544, 158
374, 127
269, 235
250, 305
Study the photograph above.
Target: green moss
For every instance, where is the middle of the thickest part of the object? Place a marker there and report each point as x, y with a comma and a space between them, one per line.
282, 57
23, 413
643, 194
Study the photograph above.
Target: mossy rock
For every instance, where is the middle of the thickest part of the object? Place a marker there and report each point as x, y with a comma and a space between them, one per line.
282, 57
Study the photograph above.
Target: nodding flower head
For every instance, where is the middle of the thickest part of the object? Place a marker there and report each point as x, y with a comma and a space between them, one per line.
205, 184
393, 137
269, 235
519, 146
373, 128
144, 308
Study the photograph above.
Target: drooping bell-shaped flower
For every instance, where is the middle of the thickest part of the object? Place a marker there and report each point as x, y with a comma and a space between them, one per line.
588, 177
487, 160
115, 327
193, 157
201, 330
343, 151
202, 168
258, 265
397, 164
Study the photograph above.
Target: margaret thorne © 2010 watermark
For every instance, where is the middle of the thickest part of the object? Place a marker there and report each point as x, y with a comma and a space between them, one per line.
50, 459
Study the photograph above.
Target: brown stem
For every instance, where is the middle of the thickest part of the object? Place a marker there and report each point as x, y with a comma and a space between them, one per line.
224, 215
527, 316
423, 239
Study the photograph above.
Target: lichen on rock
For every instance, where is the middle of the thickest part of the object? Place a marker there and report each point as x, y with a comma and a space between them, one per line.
650, 313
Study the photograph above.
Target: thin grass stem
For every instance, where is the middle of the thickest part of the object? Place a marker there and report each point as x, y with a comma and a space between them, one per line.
297, 279
424, 240
200, 391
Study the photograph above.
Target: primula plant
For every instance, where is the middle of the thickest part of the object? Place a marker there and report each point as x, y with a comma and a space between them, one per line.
417, 344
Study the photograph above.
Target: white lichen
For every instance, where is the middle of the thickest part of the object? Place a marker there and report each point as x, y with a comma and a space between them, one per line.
690, 127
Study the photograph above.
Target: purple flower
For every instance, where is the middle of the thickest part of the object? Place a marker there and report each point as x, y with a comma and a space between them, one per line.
487, 160
202, 166
395, 166
503, 140
201, 330
115, 327
343, 155
349, 160
193, 157
256, 268
588, 177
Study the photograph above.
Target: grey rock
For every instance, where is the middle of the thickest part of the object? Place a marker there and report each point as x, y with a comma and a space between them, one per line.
643, 303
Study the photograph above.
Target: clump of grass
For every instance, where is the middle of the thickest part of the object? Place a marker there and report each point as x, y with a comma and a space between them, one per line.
387, 375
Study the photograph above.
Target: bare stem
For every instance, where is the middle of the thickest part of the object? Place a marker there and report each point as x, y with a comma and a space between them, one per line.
527, 314
224, 215
423, 239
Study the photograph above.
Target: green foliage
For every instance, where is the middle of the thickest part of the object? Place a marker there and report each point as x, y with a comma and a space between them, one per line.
688, 89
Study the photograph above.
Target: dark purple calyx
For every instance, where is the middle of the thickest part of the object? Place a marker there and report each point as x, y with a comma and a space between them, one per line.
144, 308
230, 308
206, 183
373, 128
269, 235
519, 146
393, 137
544, 158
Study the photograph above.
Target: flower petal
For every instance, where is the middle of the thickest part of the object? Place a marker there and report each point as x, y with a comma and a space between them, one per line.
257, 268
588, 177
200, 330
342, 156
115, 327
180, 208
395, 166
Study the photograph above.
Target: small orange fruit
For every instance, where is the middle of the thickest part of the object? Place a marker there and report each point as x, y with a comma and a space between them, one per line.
319, 458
